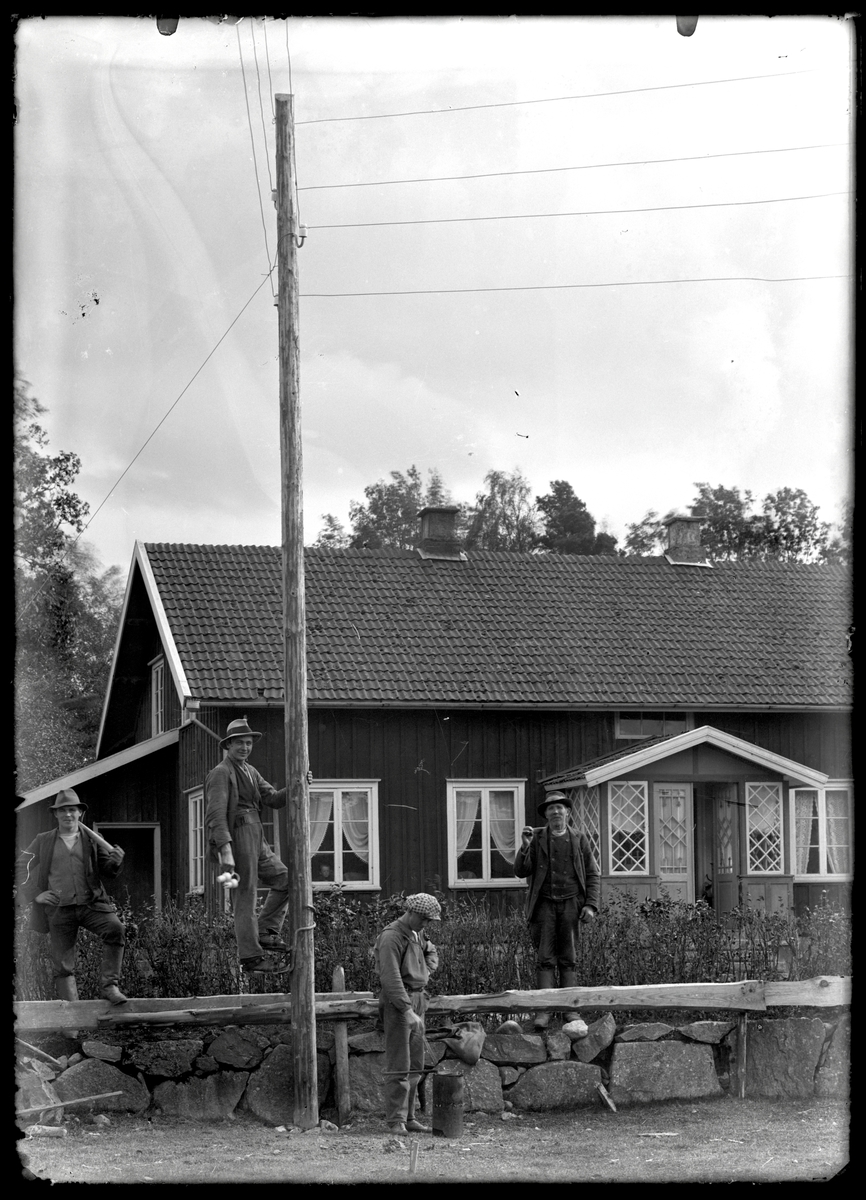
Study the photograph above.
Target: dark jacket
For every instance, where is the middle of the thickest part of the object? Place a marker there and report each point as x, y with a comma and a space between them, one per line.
35, 863
221, 801
403, 961
534, 862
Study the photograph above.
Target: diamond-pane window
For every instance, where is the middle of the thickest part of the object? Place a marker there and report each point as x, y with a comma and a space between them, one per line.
585, 809
628, 828
673, 830
764, 827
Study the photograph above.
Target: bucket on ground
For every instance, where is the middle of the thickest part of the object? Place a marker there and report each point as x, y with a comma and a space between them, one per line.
447, 1105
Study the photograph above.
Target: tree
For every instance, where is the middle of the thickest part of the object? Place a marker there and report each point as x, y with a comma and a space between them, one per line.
646, 537
67, 608
332, 535
390, 516
503, 517
792, 531
567, 525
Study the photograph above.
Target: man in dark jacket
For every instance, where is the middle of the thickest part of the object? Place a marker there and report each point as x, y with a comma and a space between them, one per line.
564, 889
234, 795
61, 874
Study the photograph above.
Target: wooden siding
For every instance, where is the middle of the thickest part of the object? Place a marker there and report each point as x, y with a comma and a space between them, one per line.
819, 740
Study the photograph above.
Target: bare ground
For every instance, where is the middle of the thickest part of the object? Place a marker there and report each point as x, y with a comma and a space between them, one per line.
712, 1141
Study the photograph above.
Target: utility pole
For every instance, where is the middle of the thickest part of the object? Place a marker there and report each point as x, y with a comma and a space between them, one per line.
300, 915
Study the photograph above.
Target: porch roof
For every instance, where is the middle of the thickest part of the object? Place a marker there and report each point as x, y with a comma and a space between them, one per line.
651, 750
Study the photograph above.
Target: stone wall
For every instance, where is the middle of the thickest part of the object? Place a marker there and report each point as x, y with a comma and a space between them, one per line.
216, 1072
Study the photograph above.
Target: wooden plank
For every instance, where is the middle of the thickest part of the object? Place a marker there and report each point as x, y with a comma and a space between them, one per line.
341, 1058
742, 1054
747, 994
825, 991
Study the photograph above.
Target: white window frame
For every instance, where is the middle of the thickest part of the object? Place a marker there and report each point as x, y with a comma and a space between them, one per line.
763, 783
157, 695
197, 841
841, 785
688, 717
337, 786
618, 873
485, 786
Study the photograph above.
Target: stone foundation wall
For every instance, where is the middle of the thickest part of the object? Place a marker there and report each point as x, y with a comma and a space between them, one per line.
219, 1071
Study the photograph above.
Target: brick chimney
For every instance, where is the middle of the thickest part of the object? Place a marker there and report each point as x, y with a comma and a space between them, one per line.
684, 540
438, 534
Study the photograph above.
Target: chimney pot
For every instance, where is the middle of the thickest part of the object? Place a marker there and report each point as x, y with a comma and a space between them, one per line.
684, 539
438, 533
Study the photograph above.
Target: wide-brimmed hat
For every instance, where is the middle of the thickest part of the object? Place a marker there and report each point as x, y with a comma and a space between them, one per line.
554, 798
239, 728
67, 799
425, 904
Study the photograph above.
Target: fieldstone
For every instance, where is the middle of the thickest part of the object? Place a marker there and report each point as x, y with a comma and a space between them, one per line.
833, 1078
649, 1031
103, 1051
781, 1057
707, 1031
42, 1069
645, 1071
434, 1052
367, 1043
601, 1034
509, 1027
511, 1048
169, 1058
92, 1077
555, 1086
33, 1090
235, 1048
365, 1082
270, 1091
508, 1075
576, 1029
210, 1099
558, 1047
482, 1086
205, 1065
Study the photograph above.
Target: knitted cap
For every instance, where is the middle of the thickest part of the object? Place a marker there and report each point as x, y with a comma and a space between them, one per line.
427, 906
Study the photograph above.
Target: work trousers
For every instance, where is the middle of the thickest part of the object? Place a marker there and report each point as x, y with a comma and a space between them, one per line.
255, 861
554, 931
64, 922
404, 1060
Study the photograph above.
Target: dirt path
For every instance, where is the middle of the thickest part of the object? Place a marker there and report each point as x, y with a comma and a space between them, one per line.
701, 1142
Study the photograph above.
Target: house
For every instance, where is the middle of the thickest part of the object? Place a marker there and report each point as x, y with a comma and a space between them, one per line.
699, 715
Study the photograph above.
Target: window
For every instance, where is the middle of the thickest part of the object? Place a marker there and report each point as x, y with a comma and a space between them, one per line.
585, 809
764, 828
823, 831
344, 834
628, 828
484, 822
157, 696
197, 859
652, 724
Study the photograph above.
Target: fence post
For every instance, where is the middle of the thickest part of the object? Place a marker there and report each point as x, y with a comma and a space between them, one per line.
742, 1033
341, 1055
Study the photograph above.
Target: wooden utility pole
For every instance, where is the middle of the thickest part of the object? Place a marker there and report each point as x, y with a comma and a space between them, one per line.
300, 916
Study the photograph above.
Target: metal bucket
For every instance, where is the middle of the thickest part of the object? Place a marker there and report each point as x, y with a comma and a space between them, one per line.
447, 1105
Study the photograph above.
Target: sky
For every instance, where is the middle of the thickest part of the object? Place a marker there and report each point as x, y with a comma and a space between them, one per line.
588, 249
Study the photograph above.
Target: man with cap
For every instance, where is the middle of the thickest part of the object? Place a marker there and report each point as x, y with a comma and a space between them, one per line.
564, 889
405, 959
62, 878
234, 795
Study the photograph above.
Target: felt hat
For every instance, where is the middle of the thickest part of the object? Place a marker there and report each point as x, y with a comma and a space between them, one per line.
67, 799
554, 798
426, 905
239, 728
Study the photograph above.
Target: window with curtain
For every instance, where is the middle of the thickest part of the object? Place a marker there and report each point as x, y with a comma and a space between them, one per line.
823, 831
344, 834
484, 822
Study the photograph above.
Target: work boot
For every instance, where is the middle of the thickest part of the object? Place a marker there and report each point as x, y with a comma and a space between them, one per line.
544, 979
568, 979
112, 961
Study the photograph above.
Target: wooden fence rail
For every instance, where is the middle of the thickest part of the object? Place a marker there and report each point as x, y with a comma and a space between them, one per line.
746, 996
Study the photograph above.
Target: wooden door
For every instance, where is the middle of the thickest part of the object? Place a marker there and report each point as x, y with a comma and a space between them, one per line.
717, 844
675, 839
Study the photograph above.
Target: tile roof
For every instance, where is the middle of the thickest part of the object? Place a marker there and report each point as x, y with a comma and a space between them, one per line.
386, 627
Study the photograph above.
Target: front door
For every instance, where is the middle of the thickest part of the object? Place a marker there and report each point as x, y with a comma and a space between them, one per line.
718, 844
674, 849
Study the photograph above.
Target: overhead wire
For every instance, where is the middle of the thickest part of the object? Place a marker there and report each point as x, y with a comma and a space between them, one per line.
261, 108
425, 112
255, 160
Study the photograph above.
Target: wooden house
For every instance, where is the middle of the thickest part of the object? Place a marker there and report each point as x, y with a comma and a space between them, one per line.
699, 715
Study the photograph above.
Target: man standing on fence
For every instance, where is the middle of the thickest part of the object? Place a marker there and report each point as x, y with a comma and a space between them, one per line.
405, 959
564, 889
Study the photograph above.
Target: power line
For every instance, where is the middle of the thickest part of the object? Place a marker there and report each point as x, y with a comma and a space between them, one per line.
262, 108
424, 112
640, 162
255, 161
554, 287
598, 212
